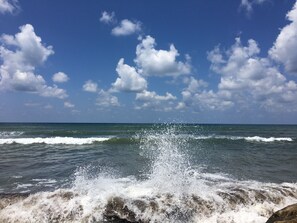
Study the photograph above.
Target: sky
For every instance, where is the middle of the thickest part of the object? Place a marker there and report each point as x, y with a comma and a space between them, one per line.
139, 61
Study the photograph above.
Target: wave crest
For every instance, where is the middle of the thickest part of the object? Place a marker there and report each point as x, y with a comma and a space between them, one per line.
269, 139
54, 140
248, 138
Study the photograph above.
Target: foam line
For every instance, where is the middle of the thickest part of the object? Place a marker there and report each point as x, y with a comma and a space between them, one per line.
249, 138
54, 140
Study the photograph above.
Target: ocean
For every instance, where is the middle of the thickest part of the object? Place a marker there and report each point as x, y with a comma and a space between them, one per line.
146, 172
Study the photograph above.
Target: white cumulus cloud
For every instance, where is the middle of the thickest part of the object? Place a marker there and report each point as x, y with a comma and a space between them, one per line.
8, 6
247, 80
52, 91
248, 5
129, 80
21, 54
194, 85
60, 77
152, 62
30, 52
90, 86
126, 27
107, 17
26, 81
284, 49
151, 100
105, 99
68, 104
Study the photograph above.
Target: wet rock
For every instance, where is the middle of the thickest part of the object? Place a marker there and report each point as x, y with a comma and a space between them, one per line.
116, 211
141, 205
154, 206
285, 215
9, 199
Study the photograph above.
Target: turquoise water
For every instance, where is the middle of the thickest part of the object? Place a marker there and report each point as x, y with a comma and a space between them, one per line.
228, 168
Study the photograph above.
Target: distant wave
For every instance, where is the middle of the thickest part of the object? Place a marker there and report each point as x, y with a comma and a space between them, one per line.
6, 134
270, 139
54, 140
249, 138
116, 140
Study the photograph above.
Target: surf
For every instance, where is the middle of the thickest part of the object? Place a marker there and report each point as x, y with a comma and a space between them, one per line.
170, 189
54, 140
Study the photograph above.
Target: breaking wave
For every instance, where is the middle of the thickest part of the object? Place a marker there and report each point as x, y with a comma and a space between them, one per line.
248, 138
270, 139
207, 198
54, 140
171, 191
117, 140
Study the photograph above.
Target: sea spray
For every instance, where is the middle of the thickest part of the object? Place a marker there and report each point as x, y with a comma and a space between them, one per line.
169, 167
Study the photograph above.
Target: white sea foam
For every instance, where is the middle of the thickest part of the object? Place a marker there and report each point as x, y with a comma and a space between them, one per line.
23, 186
270, 139
17, 177
6, 134
34, 183
172, 192
54, 140
199, 199
44, 182
248, 138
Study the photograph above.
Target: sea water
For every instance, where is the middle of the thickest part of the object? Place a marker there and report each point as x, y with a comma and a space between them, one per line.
146, 172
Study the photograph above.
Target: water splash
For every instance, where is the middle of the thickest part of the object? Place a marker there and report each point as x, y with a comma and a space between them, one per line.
169, 171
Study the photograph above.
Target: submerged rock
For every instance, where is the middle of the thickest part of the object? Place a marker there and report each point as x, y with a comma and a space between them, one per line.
285, 215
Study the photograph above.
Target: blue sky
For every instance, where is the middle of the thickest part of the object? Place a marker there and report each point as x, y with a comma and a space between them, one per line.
148, 61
